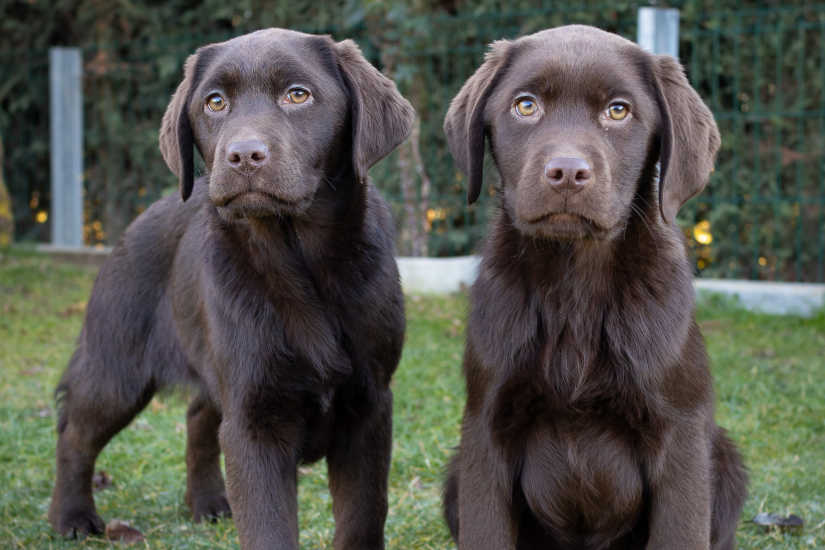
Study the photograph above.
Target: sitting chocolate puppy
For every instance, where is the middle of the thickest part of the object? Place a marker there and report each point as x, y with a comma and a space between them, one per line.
589, 417
272, 290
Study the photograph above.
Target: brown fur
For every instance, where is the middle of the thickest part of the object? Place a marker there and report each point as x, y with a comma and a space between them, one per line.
589, 417
272, 290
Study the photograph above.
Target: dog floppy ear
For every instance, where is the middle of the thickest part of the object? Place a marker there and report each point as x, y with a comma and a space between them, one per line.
689, 138
464, 124
381, 117
176, 137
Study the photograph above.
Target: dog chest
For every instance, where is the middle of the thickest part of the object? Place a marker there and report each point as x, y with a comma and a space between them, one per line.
582, 479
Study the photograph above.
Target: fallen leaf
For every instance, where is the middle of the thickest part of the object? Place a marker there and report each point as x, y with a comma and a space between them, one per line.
74, 309
31, 371
791, 522
101, 480
121, 531
142, 424
765, 353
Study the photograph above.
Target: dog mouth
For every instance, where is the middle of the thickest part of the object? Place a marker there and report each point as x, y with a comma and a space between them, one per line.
250, 198
258, 204
565, 225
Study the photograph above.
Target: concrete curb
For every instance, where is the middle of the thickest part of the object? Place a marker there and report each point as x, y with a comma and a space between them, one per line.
803, 299
437, 275
83, 255
447, 275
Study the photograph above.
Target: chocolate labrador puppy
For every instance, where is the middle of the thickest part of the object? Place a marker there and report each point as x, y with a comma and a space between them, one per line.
589, 421
272, 290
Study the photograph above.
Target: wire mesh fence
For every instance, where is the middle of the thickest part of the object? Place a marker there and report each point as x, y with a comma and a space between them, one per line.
761, 70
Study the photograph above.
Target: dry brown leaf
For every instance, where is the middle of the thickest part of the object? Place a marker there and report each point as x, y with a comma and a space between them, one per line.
101, 480
120, 531
74, 309
31, 371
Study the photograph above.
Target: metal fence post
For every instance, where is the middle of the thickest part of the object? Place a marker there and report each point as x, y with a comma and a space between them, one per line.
658, 30
66, 120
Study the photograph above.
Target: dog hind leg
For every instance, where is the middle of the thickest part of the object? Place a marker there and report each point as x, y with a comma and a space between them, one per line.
92, 410
451, 497
729, 492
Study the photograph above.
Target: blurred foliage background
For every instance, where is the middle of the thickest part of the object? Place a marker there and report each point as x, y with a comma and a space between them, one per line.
759, 65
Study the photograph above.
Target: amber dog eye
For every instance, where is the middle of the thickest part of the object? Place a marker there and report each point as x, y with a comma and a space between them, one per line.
526, 106
216, 102
618, 111
297, 95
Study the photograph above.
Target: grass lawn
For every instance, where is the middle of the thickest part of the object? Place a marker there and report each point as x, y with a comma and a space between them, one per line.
770, 383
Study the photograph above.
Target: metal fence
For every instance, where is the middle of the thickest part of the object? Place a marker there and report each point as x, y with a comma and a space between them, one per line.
764, 79
761, 70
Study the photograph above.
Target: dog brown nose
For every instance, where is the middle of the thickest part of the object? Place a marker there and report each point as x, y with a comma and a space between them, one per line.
567, 174
247, 156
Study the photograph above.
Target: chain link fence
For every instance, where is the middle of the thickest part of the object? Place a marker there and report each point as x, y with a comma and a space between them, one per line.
761, 70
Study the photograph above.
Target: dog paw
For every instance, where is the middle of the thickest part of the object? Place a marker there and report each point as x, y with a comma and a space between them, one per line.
209, 507
78, 523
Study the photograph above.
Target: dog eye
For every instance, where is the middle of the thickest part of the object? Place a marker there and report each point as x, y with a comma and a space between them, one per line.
297, 95
526, 106
216, 102
618, 111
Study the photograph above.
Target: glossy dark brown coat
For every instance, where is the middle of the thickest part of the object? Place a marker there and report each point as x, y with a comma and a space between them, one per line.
589, 421
272, 290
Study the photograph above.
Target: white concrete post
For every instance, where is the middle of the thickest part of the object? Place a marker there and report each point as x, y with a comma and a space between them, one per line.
658, 30
66, 120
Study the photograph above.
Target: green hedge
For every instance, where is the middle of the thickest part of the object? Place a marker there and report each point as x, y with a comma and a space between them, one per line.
760, 66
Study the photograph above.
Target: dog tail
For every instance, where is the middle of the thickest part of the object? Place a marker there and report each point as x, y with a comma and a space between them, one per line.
451, 497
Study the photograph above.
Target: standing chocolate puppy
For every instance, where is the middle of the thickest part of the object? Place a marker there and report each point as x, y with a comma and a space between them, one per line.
272, 290
589, 418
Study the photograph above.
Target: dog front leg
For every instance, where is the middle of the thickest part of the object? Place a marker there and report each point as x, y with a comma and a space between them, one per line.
358, 464
261, 482
205, 492
680, 515
485, 504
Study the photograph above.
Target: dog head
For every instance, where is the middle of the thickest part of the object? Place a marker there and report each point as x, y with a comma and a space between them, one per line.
277, 113
577, 118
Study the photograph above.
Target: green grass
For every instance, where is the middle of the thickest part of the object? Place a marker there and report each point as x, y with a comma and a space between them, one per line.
770, 382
